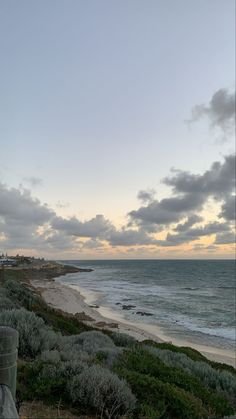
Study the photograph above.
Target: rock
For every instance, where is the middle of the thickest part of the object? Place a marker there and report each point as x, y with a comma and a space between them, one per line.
143, 313
83, 317
113, 325
100, 324
104, 324
127, 307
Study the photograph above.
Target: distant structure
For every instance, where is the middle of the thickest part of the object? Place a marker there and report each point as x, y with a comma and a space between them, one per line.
4, 261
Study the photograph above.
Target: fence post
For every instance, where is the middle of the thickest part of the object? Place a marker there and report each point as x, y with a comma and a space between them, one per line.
9, 339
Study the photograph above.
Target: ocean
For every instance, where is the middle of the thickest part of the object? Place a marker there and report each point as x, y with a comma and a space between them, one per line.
192, 300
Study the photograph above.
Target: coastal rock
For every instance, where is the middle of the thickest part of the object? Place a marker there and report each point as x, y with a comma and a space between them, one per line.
104, 324
83, 317
143, 313
127, 307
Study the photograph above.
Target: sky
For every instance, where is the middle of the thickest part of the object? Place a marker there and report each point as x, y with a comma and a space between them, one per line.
117, 128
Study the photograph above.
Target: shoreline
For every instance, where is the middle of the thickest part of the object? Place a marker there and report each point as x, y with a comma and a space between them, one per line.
71, 299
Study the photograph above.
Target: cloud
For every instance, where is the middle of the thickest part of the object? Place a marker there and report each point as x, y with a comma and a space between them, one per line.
33, 181
93, 244
193, 219
228, 208
220, 111
130, 238
146, 196
218, 181
96, 227
194, 234
191, 193
225, 238
19, 205
26, 223
168, 210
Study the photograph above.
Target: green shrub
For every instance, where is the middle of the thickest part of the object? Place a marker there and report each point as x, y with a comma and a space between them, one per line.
103, 391
75, 383
144, 362
48, 379
122, 339
34, 336
163, 399
5, 302
92, 342
192, 354
20, 294
214, 379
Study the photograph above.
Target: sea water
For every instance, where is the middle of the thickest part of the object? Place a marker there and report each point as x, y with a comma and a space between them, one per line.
192, 300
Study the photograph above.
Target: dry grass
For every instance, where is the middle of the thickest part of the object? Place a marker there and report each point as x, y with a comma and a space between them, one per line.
38, 410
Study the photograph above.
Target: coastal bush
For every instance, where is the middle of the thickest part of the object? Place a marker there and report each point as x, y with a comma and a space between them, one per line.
90, 345
108, 356
102, 390
122, 339
48, 379
53, 356
20, 294
144, 362
75, 383
191, 353
5, 302
163, 400
214, 379
92, 342
34, 336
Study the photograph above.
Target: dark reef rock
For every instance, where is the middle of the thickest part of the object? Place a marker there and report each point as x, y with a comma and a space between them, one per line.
127, 307
143, 313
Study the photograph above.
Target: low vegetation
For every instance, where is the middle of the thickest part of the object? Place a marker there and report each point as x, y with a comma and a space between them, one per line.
63, 362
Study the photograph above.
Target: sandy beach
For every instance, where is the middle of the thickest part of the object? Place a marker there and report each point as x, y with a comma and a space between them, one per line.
70, 300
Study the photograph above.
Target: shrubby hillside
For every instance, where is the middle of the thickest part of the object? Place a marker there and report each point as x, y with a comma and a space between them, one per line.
109, 375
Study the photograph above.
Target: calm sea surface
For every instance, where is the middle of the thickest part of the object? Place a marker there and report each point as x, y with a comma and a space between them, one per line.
194, 300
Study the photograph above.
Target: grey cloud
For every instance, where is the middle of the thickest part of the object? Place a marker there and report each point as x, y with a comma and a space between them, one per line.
228, 208
96, 227
194, 234
93, 244
168, 210
130, 238
193, 219
217, 182
146, 196
59, 240
220, 110
20, 217
225, 238
191, 193
20, 206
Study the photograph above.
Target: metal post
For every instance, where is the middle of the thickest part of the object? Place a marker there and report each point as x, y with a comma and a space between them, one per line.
9, 339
